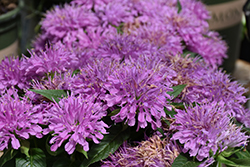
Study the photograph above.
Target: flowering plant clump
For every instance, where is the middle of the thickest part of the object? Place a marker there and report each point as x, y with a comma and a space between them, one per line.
116, 83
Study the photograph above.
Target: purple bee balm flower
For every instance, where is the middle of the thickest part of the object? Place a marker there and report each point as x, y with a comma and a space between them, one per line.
165, 24
73, 120
153, 152
18, 120
205, 84
53, 59
210, 46
12, 74
67, 24
140, 89
206, 127
244, 117
124, 47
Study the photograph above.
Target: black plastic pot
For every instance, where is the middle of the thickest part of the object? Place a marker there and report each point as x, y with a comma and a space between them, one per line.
226, 16
9, 33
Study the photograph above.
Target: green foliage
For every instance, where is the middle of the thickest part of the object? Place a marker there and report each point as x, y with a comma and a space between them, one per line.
51, 94
36, 158
183, 160
170, 113
8, 155
179, 6
114, 112
25, 147
108, 145
176, 90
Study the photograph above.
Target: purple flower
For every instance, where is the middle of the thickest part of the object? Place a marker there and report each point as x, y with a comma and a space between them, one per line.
12, 74
18, 120
74, 119
206, 127
140, 89
153, 152
124, 47
210, 46
67, 25
162, 23
54, 59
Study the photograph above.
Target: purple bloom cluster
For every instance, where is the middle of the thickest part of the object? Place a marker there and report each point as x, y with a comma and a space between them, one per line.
12, 74
86, 23
74, 119
153, 152
140, 87
206, 127
18, 120
53, 59
125, 78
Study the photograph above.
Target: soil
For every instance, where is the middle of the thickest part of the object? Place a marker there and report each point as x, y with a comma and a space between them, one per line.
7, 5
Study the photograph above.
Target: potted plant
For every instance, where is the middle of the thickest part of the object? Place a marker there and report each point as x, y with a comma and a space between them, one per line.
226, 17
9, 18
111, 84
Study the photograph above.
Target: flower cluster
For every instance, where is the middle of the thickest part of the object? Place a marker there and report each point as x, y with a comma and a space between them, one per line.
104, 65
18, 120
174, 25
206, 127
75, 119
153, 152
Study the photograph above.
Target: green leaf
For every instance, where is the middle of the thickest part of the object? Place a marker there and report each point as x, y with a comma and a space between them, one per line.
161, 131
51, 94
171, 113
241, 162
75, 72
114, 112
176, 90
183, 161
225, 161
25, 147
53, 153
191, 54
179, 6
36, 159
7, 155
80, 149
64, 162
243, 154
108, 145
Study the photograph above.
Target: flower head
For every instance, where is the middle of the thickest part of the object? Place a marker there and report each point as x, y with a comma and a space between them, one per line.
18, 120
73, 120
153, 152
52, 59
206, 127
139, 88
12, 73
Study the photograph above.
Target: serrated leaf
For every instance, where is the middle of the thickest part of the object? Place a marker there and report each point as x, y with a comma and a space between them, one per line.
183, 161
7, 155
108, 145
36, 159
176, 90
51, 94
